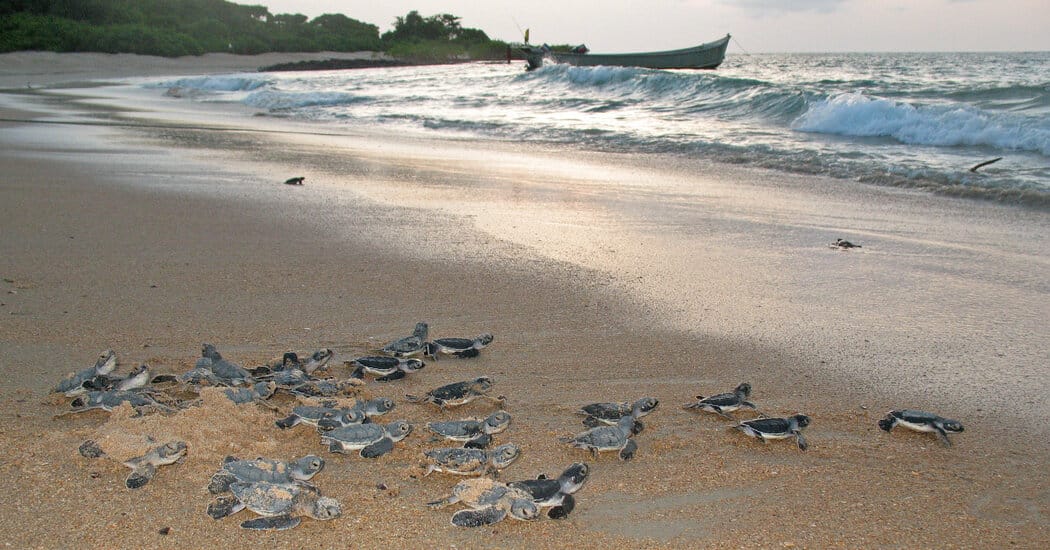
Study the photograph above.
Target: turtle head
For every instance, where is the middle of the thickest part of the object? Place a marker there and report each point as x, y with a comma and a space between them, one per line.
802, 420
953, 426
573, 477
484, 339
483, 383
378, 406
497, 422
421, 330
209, 351
325, 508
644, 406
524, 509
399, 430
504, 455
307, 467
172, 450
743, 390
265, 389
412, 365
106, 362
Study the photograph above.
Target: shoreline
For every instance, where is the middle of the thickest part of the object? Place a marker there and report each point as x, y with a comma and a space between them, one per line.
561, 322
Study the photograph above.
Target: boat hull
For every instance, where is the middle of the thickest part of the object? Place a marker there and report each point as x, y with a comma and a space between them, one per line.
704, 56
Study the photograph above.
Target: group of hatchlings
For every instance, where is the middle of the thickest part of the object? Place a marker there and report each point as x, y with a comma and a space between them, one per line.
280, 493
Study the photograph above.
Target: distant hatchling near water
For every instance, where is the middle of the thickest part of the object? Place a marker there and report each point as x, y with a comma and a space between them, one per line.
409, 345
298, 180
843, 244
458, 393
724, 402
610, 413
777, 428
921, 421
458, 347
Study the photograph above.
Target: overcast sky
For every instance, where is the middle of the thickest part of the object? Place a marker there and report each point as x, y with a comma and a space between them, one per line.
757, 25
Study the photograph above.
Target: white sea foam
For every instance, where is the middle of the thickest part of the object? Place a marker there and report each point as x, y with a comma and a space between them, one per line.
272, 99
221, 83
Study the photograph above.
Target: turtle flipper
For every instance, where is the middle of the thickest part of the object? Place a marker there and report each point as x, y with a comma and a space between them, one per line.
275, 523
467, 353
887, 424
220, 482
591, 421
359, 373
482, 441
568, 503
91, 449
627, 453
718, 410
477, 518
749, 405
396, 375
802, 445
379, 448
943, 436
140, 475
447, 501
224, 506
286, 423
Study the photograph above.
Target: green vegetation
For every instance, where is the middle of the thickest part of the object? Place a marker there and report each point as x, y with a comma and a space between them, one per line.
173, 28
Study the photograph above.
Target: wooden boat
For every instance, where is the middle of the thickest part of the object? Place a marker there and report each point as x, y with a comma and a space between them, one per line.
704, 56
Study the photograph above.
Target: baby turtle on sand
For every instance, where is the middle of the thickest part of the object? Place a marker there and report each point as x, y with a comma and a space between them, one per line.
326, 387
611, 413
375, 407
609, 438
73, 385
470, 462
144, 467
477, 433
556, 494
383, 367
373, 440
297, 180
281, 505
777, 428
458, 393
459, 347
322, 417
234, 470
259, 391
922, 421
724, 402
409, 345
843, 244
226, 371
109, 400
489, 502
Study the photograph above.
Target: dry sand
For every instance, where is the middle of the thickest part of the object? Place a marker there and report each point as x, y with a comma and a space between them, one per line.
598, 285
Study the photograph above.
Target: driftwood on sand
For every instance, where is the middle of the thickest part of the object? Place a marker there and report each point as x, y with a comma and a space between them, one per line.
986, 163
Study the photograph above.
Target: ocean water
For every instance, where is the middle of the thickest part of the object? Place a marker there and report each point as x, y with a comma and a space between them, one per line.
918, 120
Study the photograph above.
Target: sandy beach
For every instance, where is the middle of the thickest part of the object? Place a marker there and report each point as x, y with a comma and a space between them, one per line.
131, 224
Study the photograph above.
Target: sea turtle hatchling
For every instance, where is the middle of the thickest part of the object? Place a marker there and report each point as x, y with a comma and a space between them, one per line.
609, 438
383, 367
230, 373
556, 494
409, 345
139, 377
260, 391
476, 433
322, 417
610, 413
109, 400
724, 402
372, 440
281, 505
922, 421
458, 347
489, 502
458, 393
777, 428
73, 385
144, 467
470, 462
234, 470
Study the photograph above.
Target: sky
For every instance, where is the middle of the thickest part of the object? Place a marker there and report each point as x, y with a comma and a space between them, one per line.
756, 25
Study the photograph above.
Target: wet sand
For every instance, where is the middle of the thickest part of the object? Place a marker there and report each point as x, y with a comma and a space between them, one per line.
603, 277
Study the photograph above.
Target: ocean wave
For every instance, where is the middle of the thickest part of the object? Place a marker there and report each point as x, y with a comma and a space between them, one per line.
227, 83
276, 100
943, 125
